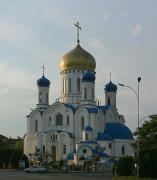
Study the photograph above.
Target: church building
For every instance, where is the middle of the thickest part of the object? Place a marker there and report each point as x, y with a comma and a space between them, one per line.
76, 127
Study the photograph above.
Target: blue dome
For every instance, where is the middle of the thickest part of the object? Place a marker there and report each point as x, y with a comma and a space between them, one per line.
118, 131
110, 87
88, 128
88, 76
43, 82
70, 156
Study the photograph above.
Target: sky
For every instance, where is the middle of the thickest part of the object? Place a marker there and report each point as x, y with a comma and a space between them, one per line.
120, 34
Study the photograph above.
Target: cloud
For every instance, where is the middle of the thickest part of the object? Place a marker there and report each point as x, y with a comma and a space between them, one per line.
137, 30
95, 43
105, 18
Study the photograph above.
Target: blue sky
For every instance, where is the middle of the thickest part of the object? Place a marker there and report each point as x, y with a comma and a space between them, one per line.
120, 34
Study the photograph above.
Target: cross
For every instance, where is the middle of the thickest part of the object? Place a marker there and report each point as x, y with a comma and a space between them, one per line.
43, 68
110, 76
78, 29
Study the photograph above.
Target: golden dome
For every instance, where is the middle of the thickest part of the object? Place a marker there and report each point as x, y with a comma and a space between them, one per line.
78, 58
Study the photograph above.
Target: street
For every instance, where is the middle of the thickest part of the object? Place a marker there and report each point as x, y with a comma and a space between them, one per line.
21, 175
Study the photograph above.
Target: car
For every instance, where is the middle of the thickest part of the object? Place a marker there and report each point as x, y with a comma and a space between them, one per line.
35, 169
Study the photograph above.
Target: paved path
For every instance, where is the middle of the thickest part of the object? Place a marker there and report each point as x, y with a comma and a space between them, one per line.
21, 175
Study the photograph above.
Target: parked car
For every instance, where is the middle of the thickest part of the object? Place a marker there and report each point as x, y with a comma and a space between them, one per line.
35, 169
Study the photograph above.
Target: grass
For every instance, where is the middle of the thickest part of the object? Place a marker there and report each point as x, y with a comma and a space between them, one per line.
130, 178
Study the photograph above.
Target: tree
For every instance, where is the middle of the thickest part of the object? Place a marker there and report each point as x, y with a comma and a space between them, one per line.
14, 158
25, 158
148, 148
125, 166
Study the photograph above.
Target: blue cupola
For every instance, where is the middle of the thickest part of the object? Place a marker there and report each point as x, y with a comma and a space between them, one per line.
88, 128
110, 87
43, 82
88, 76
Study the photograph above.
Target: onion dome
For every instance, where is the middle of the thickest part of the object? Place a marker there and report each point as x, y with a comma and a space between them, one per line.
88, 128
88, 76
110, 87
79, 59
43, 82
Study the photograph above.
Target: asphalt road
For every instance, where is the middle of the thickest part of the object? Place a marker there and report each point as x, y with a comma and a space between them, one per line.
21, 175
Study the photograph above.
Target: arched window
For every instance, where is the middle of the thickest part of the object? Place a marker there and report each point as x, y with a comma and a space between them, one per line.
43, 149
47, 98
36, 126
85, 93
40, 97
108, 100
86, 136
64, 149
59, 120
82, 123
123, 150
50, 121
68, 120
78, 84
69, 85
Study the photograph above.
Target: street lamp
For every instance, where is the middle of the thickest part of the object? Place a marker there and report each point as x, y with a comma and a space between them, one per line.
138, 118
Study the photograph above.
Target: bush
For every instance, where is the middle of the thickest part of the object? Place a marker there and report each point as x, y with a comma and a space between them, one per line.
25, 158
14, 159
125, 166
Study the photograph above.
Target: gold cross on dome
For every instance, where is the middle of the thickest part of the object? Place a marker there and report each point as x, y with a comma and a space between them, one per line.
43, 68
78, 29
110, 76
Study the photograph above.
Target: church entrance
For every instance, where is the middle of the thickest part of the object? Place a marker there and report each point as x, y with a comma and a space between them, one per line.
53, 153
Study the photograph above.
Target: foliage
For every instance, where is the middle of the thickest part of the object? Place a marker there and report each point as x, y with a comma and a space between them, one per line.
125, 166
148, 148
5, 152
14, 158
25, 158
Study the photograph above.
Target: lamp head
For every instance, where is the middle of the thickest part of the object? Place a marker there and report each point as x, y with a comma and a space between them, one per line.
139, 79
121, 84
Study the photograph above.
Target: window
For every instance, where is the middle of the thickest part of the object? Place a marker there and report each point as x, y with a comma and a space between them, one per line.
108, 101
59, 120
43, 149
40, 97
69, 84
64, 86
47, 98
82, 123
123, 150
54, 137
92, 93
36, 125
68, 120
50, 122
86, 136
78, 84
64, 149
110, 145
85, 93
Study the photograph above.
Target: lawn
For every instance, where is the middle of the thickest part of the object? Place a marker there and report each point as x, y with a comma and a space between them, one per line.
130, 178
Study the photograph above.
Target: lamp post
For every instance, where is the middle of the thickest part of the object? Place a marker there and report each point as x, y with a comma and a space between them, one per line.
138, 118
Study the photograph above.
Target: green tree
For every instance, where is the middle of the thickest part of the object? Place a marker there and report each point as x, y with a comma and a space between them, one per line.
14, 158
125, 166
25, 158
148, 148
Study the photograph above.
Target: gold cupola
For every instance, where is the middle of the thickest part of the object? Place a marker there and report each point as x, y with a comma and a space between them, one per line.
78, 58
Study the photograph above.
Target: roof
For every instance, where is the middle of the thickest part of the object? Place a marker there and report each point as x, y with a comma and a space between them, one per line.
104, 136
88, 128
88, 76
110, 87
43, 82
118, 131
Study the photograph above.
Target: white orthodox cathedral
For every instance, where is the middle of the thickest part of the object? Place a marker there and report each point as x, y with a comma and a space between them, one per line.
75, 127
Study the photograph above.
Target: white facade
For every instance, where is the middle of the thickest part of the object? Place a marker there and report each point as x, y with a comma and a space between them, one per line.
75, 124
